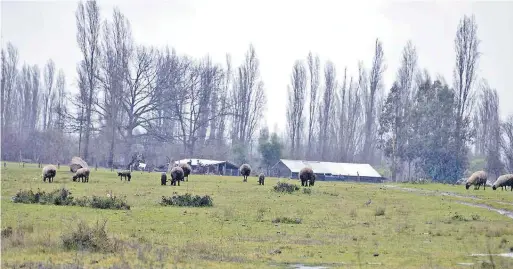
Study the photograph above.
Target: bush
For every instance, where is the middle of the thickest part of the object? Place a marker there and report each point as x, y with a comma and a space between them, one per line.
63, 197
287, 220
187, 200
285, 187
91, 238
57, 197
111, 202
307, 191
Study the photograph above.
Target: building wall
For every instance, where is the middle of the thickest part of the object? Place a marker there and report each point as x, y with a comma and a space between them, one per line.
280, 170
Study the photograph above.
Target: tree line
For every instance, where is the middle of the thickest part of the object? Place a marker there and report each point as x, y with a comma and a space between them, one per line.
420, 127
137, 100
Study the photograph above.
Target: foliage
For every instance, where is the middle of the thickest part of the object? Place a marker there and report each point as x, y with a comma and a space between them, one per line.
285, 187
270, 147
63, 197
187, 200
90, 238
435, 141
57, 197
287, 220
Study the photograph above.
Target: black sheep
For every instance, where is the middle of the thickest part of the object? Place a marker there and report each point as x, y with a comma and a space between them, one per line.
261, 179
307, 176
186, 170
163, 178
176, 175
245, 170
125, 174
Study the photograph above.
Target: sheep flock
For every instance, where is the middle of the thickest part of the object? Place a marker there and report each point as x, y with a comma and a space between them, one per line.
180, 172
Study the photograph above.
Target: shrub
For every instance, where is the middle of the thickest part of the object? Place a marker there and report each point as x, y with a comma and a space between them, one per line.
287, 220
111, 202
63, 197
307, 191
285, 187
57, 197
187, 200
91, 238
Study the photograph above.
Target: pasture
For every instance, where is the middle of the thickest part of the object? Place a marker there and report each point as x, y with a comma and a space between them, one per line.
336, 225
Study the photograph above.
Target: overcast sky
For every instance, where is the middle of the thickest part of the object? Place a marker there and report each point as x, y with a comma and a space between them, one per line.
282, 32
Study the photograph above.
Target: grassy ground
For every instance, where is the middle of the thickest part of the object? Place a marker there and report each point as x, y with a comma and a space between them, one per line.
398, 229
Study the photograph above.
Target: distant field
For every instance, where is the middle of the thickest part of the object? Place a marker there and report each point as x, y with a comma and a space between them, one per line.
400, 228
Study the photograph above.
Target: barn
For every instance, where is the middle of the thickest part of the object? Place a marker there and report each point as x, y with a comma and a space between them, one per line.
328, 171
206, 166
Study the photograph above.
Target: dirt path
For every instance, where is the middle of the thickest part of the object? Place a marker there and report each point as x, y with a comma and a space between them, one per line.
504, 212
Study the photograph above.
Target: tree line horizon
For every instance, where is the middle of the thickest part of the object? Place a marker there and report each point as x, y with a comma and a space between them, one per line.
195, 108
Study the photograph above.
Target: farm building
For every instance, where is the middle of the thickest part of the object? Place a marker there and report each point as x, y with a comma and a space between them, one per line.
205, 166
328, 171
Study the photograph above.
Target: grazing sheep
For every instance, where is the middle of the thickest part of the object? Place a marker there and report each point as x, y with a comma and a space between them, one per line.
163, 178
176, 175
49, 172
503, 181
77, 163
307, 176
261, 179
186, 170
125, 174
82, 174
477, 179
245, 170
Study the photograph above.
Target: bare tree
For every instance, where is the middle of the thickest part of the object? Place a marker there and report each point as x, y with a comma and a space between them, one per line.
467, 56
88, 38
342, 117
248, 98
371, 96
61, 107
8, 85
489, 119
507, 142
295, 106
326, 110
117, 45
314, 75
49, 78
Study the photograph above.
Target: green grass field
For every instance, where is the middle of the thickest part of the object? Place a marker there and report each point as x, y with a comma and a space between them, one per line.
398, 229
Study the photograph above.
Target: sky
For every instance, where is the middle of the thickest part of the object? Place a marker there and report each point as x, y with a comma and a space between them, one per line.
282, 32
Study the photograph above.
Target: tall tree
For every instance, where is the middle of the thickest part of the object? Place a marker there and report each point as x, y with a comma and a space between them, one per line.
117, 45
61, 107
8, 86
371, 97
467, 56
390, 126
49, 78
314, 66
489, 119
88, 38
507, 142
326, 109
248, 98
295, 106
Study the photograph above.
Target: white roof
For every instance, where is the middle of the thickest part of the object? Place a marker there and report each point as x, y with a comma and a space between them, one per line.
202, 161
345, 169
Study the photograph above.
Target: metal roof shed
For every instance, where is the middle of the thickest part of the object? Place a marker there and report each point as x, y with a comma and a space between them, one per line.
328, 170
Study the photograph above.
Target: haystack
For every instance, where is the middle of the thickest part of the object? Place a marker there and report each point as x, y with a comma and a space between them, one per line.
77, 163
